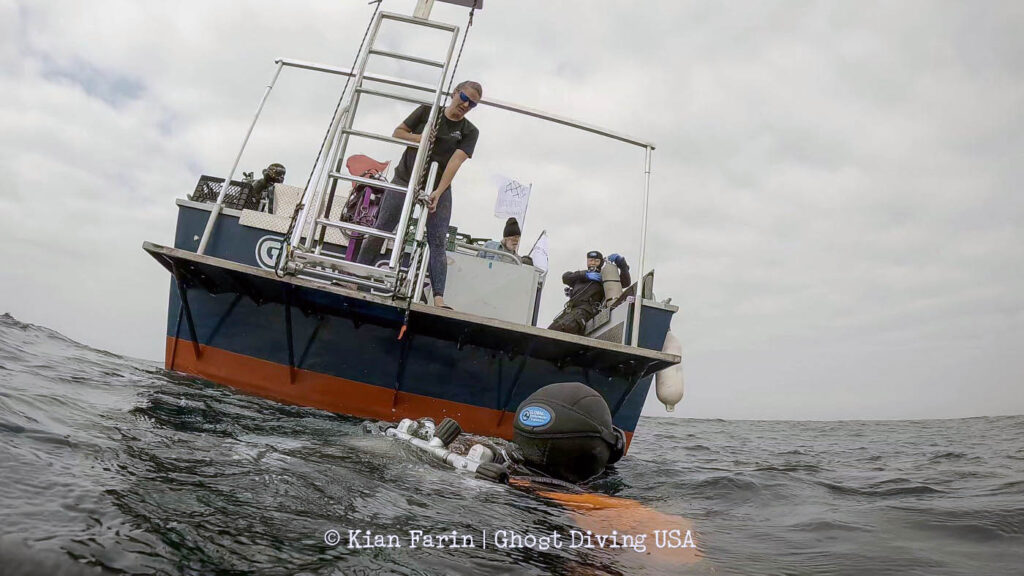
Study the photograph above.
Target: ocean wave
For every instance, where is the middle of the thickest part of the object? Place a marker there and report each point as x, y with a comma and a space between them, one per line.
112, 464
882, 490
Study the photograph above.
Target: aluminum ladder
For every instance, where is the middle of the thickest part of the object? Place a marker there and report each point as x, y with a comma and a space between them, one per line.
305, 256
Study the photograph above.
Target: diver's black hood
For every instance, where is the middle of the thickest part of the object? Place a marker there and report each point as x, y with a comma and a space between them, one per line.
566, 430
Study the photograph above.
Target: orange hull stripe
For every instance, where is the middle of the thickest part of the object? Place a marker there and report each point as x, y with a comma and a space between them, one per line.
332, 393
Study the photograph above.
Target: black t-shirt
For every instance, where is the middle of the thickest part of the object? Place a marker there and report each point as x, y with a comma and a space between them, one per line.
451, 136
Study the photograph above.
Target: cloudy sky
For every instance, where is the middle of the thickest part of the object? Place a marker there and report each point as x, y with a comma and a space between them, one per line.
835, 207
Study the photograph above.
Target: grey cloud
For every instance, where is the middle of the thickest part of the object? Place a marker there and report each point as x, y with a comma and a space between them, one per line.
834, 198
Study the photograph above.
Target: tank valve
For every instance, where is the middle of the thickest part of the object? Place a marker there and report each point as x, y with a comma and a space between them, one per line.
447, 431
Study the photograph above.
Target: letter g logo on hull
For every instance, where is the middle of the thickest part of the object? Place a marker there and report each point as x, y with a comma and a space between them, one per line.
267, 249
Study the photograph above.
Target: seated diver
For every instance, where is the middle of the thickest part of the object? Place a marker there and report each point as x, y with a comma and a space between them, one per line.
586, 292
264, 187
509, 242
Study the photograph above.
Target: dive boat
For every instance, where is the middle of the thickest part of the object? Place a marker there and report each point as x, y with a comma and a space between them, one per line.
269, 301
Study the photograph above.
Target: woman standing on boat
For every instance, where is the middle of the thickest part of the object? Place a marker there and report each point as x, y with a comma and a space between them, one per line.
453, 144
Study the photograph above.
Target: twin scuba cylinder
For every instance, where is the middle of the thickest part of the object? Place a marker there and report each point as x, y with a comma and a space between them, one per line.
435, 440
562, 431
610, 281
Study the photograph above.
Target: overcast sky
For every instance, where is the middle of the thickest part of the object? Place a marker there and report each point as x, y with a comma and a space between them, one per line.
835, 207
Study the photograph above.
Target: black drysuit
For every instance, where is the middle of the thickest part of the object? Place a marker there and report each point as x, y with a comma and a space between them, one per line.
585, 298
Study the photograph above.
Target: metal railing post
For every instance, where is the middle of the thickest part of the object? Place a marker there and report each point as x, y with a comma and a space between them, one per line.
421, 271
423, 8
639, 296
212, 219
418, 293
501, 254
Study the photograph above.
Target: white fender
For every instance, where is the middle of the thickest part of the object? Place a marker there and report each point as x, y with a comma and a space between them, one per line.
669, 382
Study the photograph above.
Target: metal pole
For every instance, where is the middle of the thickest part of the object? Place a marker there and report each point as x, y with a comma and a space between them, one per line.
639, 296
424, 255
231, 174
507, 106
537, 241
423, 8
421, 274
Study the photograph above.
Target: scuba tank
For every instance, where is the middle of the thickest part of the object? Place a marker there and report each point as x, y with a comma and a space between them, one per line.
611, 282
436, 441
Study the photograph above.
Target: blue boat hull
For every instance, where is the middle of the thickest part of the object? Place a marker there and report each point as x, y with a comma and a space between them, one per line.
310, 344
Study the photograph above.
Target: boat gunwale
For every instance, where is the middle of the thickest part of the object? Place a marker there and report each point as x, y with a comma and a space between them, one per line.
156, 249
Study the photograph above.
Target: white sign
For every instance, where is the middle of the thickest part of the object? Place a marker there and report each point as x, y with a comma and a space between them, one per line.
513, 198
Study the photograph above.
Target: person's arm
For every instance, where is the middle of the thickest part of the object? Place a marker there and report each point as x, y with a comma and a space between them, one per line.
624, 278
403, 132
411, 128
446, 179
571, 278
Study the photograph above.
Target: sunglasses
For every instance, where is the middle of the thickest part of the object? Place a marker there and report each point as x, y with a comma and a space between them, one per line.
467, 99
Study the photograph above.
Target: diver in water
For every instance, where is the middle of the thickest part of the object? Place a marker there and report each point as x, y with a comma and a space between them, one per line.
563, 434
563, 438
585, 290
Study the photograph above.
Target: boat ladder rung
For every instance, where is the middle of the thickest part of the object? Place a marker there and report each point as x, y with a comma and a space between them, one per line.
381, 137
408, 58
418, 21
393, 96
340, 279
367, 181
355, 228
340, 266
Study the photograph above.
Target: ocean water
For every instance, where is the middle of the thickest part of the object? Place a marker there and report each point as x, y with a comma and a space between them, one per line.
112, 465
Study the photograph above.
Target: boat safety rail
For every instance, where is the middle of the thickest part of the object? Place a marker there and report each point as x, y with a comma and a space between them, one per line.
475, 249
499, 104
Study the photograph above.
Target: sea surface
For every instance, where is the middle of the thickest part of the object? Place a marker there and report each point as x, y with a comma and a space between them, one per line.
113, 465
